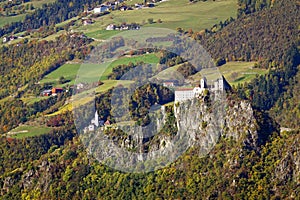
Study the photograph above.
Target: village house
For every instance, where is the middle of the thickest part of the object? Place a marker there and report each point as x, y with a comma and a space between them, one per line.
79, 86
107, 123
87, 21
138, 6
170, 83
57, 90
101, 9
46, 93
110, 27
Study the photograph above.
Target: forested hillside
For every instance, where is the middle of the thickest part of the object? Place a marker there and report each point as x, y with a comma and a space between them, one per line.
250, 159
247, 7
264, 36
286, 110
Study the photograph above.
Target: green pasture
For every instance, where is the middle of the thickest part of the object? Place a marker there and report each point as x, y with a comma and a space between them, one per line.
240, 72
28, 131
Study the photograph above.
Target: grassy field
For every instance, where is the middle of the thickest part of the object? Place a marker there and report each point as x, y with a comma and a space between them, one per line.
68, 71
92, 71
32, 99
147, 58
7, 20
169, 74
28, 131
234, 72
101, 34
240, 72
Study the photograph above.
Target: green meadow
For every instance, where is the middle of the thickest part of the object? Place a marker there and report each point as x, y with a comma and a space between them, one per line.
240, 72
92, 72
234, 72
68, 71
10, 19
28, 131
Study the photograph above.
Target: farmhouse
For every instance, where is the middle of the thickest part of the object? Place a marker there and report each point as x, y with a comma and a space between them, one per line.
46, 93
57, 90
79, 86
101, 9
110, 27
87, 21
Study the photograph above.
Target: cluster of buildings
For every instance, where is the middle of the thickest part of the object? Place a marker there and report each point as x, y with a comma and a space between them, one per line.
107, 6
120, 5
183, 94
133, 26
52, 92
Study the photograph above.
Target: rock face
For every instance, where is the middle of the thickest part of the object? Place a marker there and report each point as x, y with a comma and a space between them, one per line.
240, 123
208, 121
289, 166
199, 122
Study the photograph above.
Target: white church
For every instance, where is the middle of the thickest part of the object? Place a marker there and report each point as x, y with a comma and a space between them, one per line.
95, 122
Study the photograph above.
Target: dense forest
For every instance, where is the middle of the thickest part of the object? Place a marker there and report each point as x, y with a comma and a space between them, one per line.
247, 7
286, 110
262, 36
